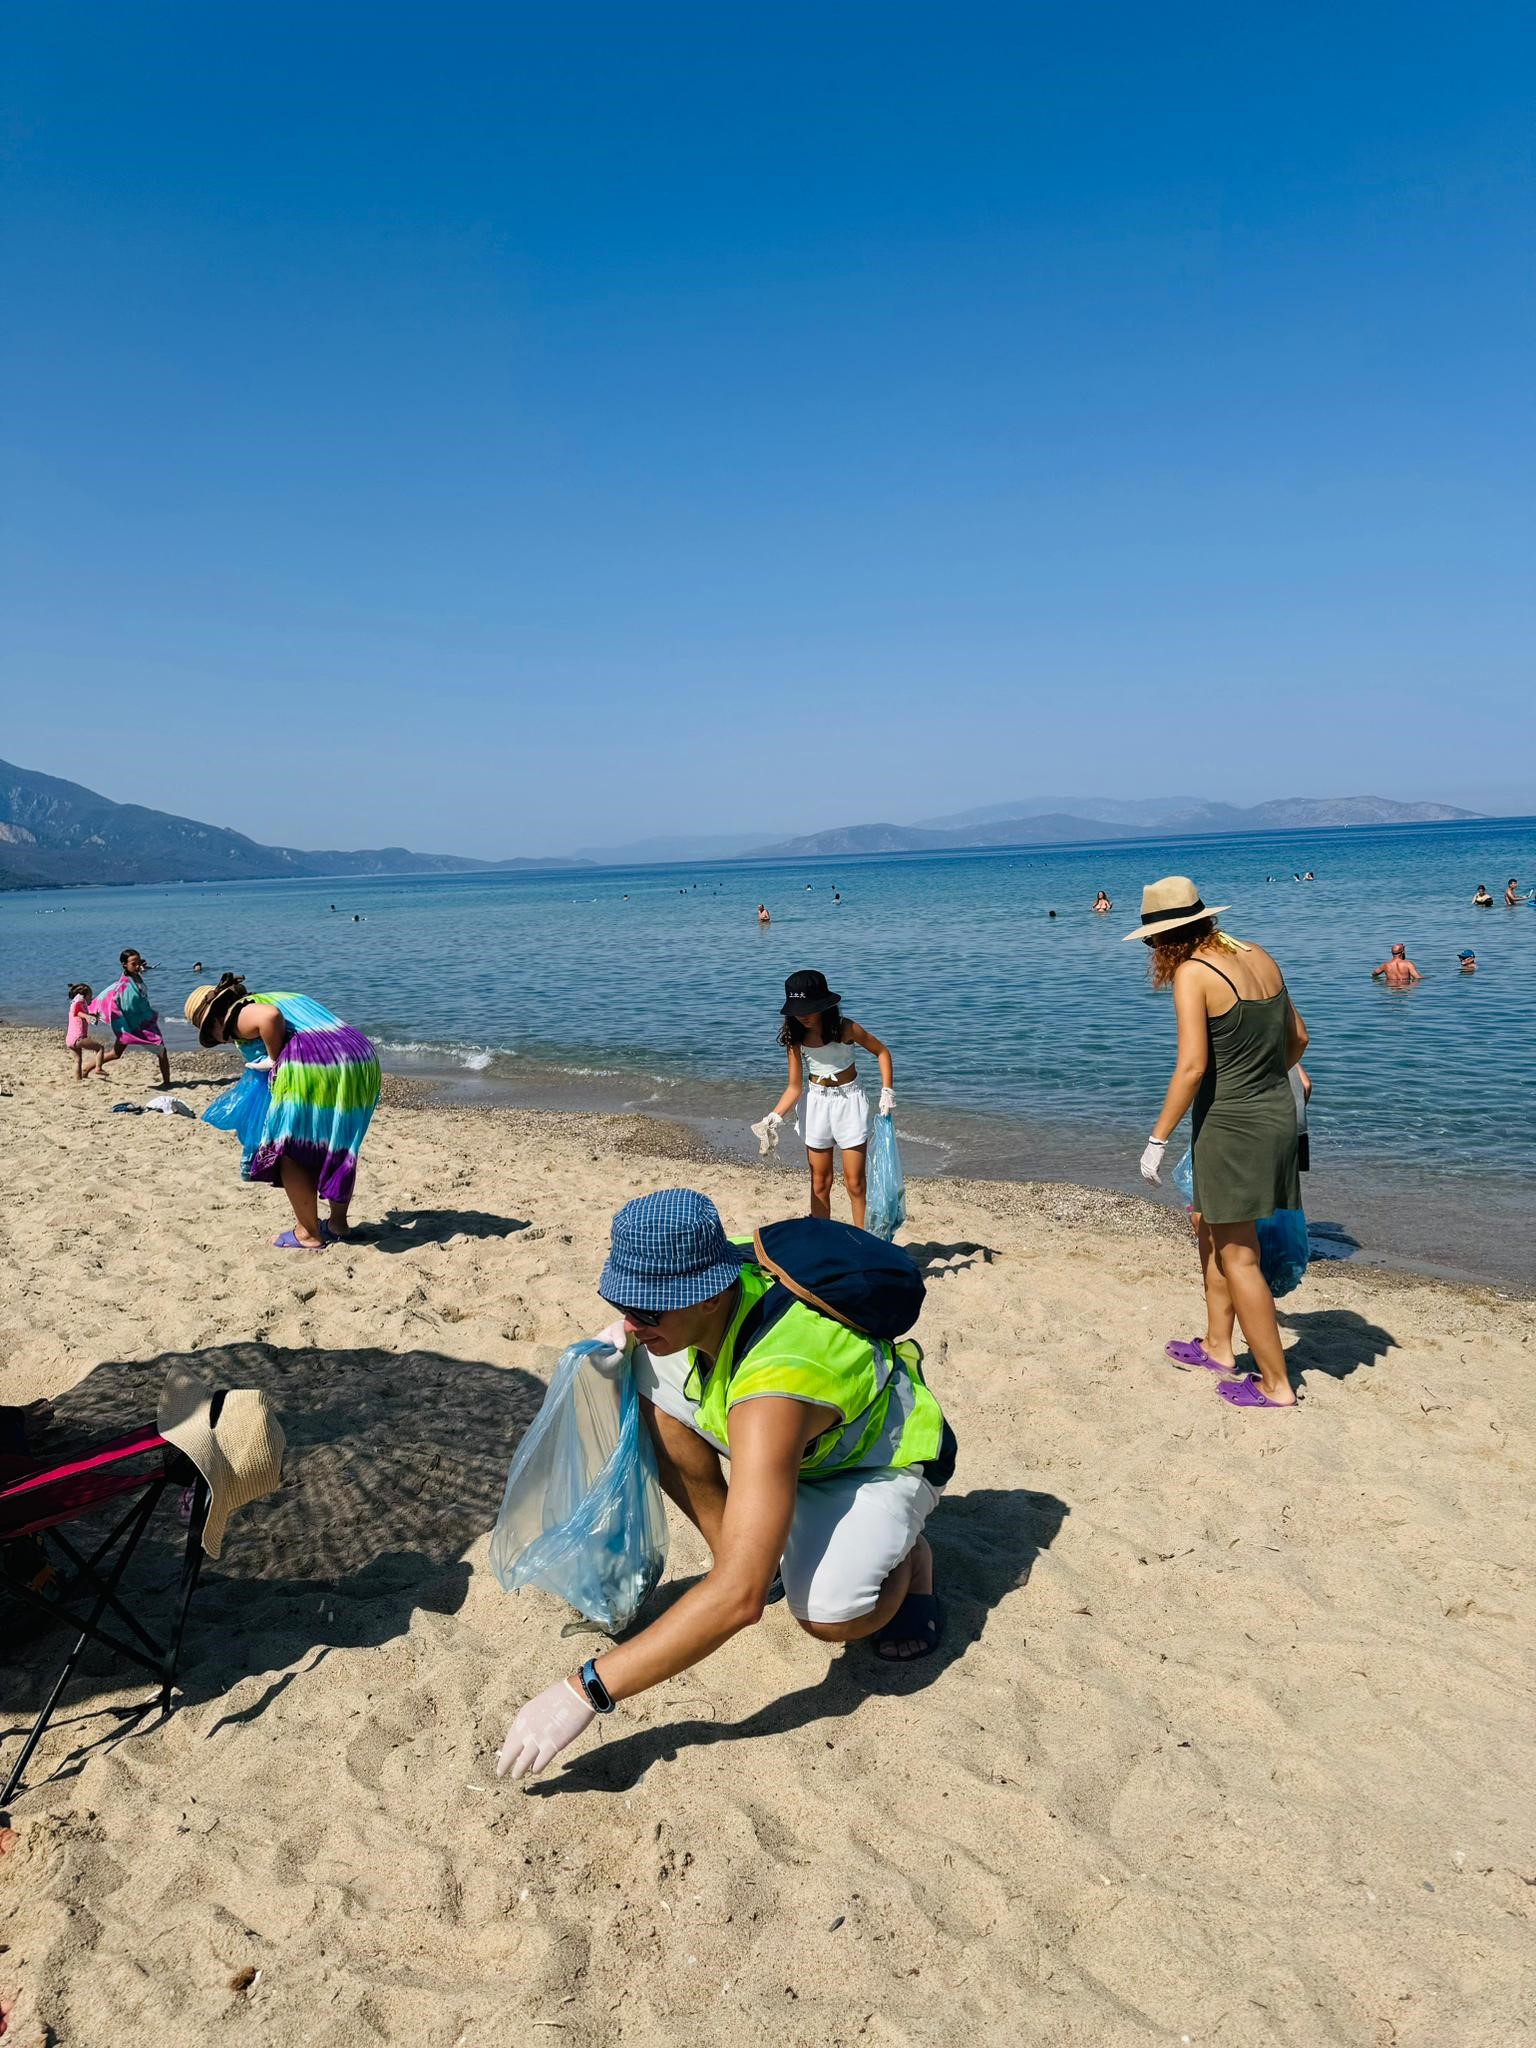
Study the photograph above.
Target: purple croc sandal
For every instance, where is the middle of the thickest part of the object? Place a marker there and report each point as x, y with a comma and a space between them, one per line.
1195, 1353
1247, 1393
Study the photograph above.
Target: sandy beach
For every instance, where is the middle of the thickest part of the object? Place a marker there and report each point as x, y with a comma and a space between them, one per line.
1230, 1742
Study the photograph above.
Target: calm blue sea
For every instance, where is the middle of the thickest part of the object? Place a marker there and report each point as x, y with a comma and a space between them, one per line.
1024, 1046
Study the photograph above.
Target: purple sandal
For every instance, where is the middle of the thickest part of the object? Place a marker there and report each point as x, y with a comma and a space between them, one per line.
1247, 1393
290, 1241
1195, 1353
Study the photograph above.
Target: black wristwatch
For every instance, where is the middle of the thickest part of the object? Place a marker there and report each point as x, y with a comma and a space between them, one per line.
599, 1699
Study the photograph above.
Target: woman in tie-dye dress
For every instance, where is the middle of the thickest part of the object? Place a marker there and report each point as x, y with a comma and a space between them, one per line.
303, 1105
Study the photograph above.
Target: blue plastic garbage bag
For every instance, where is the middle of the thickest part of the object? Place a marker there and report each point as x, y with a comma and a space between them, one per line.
887, 1188
1283, 1250
243, 1110
1284, 1247
583, 1516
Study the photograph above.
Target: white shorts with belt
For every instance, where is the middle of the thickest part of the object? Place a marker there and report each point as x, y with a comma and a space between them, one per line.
835, 1116
850, 1531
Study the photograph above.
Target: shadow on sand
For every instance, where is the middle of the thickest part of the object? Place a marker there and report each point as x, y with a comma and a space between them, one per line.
1335, 1341
395, 1466
936, 1258
402, 1230
984, 1544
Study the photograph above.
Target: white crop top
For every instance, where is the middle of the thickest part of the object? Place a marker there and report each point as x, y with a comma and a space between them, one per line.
827, 1061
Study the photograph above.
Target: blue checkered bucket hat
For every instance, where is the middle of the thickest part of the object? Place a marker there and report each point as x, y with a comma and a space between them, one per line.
669, 1250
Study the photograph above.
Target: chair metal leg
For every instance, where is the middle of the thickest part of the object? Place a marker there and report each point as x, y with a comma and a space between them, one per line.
91, 1578
87, 1634
192, 1564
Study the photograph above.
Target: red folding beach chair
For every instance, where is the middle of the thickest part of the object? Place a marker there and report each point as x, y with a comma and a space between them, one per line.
39, 1497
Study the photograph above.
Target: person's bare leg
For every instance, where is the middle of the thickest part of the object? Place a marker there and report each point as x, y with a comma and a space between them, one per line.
913, 1575
1218, 1301
79, 1064
337, 1219
821, 1182
165, 1069
304, 1200
853, 1180
689, 1470
1237, 1250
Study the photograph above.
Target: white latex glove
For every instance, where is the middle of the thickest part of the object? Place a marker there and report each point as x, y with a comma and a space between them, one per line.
544, 1727
767, 1132
266, 1066
1152, 1159
619, 1343
887, 1101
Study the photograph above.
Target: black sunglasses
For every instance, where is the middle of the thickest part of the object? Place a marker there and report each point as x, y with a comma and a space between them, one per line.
647, 1318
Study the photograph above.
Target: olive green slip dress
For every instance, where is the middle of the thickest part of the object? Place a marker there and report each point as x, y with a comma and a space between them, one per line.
1245, 1143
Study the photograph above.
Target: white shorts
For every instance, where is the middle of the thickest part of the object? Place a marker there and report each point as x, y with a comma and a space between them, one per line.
848, 1536
849, 1532
835, 1116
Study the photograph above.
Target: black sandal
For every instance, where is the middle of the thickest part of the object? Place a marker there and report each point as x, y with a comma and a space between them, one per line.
919, 1619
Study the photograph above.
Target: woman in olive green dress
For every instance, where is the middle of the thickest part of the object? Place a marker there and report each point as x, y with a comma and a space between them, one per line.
1239, 1037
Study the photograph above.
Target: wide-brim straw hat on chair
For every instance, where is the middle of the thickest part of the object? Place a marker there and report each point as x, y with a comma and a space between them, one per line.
1167, 904
240, 1454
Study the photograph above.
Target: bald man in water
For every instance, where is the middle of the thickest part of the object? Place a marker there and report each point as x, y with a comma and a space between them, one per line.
1398, 971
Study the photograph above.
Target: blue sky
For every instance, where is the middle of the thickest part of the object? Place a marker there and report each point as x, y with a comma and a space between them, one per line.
493, 429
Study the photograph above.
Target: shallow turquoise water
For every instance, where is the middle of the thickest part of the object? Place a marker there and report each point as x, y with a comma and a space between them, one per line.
660, 985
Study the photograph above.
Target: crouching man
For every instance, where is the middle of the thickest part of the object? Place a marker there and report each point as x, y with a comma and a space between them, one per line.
768, 1356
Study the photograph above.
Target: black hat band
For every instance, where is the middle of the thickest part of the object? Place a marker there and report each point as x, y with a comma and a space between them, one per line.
1195, 909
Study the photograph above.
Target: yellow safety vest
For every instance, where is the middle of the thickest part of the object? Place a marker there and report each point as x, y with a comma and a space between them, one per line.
889, 1418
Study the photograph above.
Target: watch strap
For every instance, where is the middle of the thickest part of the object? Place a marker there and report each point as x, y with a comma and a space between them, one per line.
599, 1699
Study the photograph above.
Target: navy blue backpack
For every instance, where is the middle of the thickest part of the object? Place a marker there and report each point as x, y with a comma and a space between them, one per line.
847, 1274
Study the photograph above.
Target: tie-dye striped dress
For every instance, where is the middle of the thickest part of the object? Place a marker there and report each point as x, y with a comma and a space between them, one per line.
314, 1107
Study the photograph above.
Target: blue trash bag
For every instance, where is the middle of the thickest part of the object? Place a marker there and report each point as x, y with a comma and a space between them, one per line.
583, 1515
887, 1188
1283, 1250
1284, 1246
243, 1109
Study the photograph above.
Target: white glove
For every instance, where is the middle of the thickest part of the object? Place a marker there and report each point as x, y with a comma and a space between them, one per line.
266, 1066
887, 1101
544, 1727
767, 1132
1152, 1159
620, 1343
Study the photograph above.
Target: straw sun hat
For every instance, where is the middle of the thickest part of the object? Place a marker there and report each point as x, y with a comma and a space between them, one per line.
208, 1009
1167, 904
240, 1454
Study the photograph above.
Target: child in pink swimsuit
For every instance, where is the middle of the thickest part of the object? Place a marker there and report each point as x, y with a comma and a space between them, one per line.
77, 1032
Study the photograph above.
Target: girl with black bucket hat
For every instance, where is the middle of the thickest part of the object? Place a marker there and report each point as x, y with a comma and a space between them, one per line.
820, 1043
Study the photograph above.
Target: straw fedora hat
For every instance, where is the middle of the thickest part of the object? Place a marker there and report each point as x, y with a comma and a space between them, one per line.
208, 1009
1167, 904
240, 1453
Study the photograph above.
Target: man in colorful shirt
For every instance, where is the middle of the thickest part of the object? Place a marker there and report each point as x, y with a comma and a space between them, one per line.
837, 1449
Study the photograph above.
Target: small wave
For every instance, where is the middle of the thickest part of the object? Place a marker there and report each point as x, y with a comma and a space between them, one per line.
476, 1058
914, 1138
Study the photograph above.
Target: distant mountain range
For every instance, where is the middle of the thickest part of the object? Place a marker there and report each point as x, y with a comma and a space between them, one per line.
640, 853
55, 833
1065, 821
